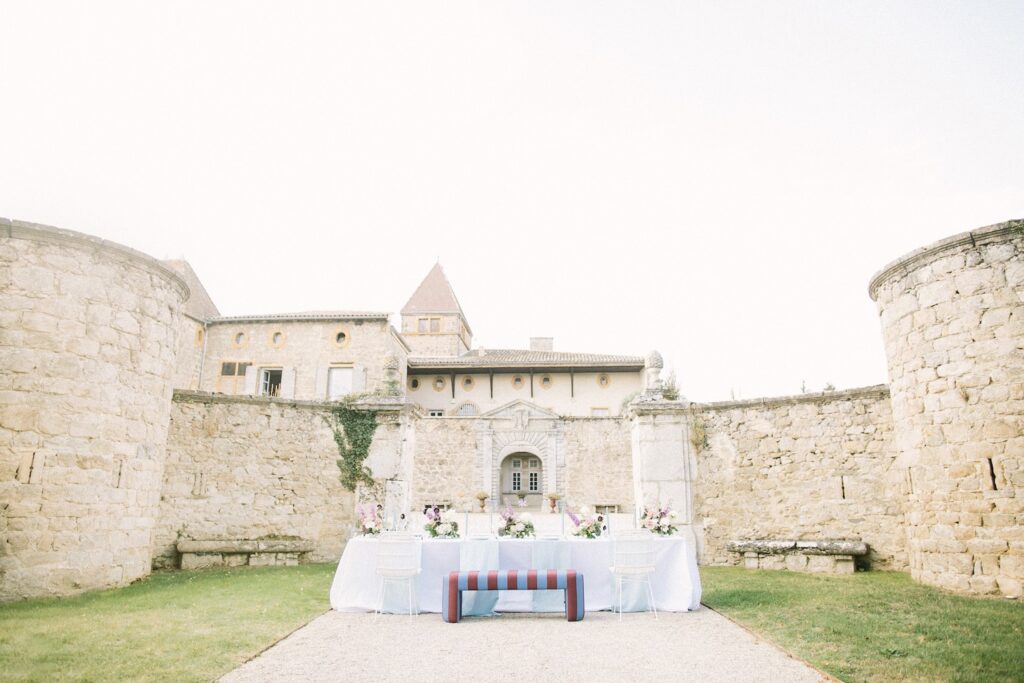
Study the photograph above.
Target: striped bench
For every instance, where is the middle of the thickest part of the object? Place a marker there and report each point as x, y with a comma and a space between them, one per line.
568, 580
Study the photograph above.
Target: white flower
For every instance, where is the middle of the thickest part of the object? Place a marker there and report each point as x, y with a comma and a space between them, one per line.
369, 523
526, 517
448, 516
584, 511
444, 528
672, 514
519, 527
663, 524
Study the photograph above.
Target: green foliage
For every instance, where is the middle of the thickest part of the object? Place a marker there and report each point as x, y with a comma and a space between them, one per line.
668, 387
698, 434
874, 626
353, 428
172, 626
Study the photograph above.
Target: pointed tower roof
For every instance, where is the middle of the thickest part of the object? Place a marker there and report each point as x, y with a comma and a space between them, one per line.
434, 295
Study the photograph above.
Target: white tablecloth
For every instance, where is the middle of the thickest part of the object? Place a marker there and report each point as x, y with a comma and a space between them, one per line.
675, 582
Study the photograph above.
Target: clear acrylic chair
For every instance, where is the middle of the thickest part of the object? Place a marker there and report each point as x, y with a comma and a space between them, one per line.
398, 562
633, 562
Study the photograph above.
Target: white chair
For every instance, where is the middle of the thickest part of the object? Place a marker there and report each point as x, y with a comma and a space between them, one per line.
398, 561
633, 562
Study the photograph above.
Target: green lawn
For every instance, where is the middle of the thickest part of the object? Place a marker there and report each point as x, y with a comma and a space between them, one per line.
173, 626
874, 626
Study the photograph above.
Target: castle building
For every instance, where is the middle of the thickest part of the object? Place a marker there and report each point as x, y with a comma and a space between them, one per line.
139, 428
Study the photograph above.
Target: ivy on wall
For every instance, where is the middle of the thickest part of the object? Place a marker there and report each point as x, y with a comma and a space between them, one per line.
353, 429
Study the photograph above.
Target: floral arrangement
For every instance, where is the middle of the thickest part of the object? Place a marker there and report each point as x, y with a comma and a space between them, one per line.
659, 520
370, 522
441, 524
520, 526
587, 525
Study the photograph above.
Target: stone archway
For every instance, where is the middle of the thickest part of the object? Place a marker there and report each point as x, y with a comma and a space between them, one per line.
523, 428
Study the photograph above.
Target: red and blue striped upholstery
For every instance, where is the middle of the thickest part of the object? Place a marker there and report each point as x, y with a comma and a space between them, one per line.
568, 580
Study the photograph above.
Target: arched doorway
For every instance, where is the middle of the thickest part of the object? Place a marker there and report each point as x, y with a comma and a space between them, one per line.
522, 480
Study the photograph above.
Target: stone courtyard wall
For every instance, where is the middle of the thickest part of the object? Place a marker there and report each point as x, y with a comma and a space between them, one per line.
444, 469
813, 466
952, 319
242, 468
88, 337
598, 463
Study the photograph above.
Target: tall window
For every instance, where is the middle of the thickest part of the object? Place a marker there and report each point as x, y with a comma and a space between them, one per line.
339, 382
270, 381
517, 481
534, 482
232, 378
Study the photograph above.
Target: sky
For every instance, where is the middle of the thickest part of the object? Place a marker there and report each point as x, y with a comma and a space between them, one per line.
715, 180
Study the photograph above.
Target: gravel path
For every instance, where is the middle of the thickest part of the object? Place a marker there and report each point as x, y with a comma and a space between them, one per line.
692, 646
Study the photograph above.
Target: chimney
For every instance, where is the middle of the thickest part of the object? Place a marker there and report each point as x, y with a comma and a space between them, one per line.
542, 343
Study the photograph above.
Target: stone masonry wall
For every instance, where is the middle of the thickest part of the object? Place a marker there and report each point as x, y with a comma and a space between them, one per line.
806, 467
598, 463
952, 318
444, 469
88, 336
251, 468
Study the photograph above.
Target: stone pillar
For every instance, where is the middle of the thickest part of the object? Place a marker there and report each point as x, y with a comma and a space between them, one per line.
88, 337
663, 461
953, 320
392, 451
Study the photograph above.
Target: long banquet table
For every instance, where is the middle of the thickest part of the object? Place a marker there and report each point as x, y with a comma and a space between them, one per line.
675, 582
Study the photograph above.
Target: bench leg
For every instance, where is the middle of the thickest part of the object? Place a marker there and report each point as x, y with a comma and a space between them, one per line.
451, 599
575, 608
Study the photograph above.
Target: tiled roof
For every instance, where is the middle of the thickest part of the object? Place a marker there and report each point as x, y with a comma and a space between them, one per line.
434, 295
302, 316
517, 358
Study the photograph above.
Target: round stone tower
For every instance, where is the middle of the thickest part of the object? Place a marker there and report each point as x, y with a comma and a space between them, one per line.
87, 351
953, 321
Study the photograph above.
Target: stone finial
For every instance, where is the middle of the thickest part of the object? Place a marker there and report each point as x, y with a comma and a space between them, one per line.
654, 360
391, 383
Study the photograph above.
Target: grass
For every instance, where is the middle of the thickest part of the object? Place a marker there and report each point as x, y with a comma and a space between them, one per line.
874, 626
180, 626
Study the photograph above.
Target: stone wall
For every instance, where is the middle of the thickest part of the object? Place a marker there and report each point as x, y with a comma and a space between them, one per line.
88, 336
813, 466
445, 469
953, 323
598, 463
251, 468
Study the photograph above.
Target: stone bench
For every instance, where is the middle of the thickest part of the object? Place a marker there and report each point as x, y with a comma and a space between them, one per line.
833, 556
568, 580
234, 553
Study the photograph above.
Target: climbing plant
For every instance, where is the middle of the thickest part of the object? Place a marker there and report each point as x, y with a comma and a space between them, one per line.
353, 429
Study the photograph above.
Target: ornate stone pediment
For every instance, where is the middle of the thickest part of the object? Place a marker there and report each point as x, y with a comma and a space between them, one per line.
520, 413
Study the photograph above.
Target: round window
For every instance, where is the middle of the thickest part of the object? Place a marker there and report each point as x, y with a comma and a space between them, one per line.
439, 384
546, 382
603, 381
467, 383
518, 382
239, 338
277, 338
340, 338
414, 384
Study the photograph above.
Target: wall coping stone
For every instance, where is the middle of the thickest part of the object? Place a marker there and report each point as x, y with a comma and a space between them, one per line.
378, 403
807, 547
245, 546
910, 261
874, 391
46, 233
